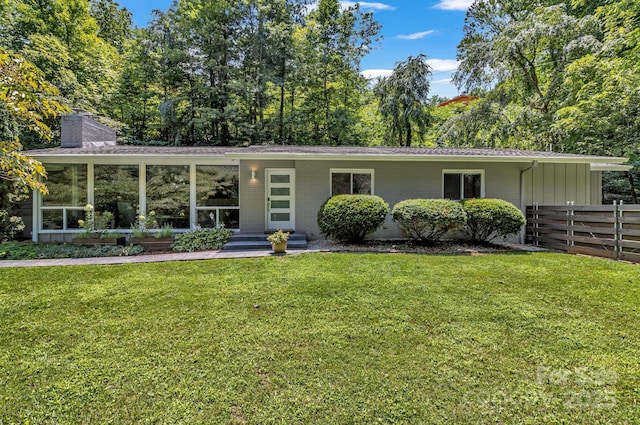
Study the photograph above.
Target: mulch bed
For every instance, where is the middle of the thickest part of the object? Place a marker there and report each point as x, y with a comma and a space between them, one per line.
404, 246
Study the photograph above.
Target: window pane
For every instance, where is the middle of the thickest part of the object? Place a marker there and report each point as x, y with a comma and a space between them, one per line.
168, 194
472, 184
280, 204
280, 178
280, 216
362, 184
67, 185
72, 218
340, 184
217, 185
52, 219
207, 218
116, 191
230, 218
452, 187
280, 191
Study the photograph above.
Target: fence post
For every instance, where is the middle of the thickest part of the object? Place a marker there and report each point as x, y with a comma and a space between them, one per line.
618, 230
570, 231
536, 234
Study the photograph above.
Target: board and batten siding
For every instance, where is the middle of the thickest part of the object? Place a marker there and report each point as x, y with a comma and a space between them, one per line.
557, 184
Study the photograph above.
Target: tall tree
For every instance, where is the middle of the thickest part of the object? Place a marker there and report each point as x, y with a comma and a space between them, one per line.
404, 98
26, 99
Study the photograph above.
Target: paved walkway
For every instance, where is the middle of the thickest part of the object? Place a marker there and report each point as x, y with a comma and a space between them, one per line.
151, 258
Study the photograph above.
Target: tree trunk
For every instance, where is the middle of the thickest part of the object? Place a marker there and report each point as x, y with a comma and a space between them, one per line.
634, 196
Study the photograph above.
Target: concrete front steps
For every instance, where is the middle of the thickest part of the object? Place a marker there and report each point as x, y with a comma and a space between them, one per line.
259, 242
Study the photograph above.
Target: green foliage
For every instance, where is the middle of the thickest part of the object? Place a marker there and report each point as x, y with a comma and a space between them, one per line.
491, 218
428, 220
95, 224
202, 239
62, 39
551, 75
350, 218
403, 99
144, 225
10, 225
27, 99
278, 237
25, 102
32, 251
165, 231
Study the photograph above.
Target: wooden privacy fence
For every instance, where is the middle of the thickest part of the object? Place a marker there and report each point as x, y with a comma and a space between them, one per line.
611, 231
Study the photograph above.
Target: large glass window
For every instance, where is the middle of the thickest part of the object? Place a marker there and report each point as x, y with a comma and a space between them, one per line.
217, 200
116, 189
64, 205
356, 182
462, 184
168, 194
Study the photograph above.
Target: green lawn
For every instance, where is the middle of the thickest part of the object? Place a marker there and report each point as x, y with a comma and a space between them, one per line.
324, 338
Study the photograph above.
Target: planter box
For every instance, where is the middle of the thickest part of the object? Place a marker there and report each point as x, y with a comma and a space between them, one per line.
153, 244
97, 241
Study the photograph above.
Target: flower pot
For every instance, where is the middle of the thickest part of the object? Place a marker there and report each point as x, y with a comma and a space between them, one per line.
153, 244
279, 247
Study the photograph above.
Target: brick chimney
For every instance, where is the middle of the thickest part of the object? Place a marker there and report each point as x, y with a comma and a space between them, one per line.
79, 130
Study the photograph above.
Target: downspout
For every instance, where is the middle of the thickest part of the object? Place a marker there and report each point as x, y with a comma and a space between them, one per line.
523, 207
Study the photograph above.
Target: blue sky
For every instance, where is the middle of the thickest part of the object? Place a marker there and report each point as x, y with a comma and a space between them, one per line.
409, 27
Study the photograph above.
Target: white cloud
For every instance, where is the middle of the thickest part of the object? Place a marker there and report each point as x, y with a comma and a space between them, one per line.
367, 5
453, 4
415, 35
442, 81
374, 74
443, 65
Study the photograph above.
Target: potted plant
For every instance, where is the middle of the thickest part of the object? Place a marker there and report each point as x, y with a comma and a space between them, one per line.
146, 233
278, 241
96, 229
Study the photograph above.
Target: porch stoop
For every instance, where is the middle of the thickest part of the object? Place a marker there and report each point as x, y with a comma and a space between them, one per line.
259, 242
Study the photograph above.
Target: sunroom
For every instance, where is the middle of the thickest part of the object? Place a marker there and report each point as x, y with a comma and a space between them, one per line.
185, 188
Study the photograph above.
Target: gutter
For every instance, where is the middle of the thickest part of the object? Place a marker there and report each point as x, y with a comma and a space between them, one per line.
523, 207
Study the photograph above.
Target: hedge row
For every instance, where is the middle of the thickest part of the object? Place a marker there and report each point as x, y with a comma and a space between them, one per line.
350, 218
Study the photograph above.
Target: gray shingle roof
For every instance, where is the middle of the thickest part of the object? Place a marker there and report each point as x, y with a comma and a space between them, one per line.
318, 152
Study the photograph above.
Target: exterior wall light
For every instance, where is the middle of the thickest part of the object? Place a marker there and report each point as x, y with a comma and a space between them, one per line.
253, 174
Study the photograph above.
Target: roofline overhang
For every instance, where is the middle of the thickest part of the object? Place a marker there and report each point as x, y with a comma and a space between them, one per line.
611, 167
427, 158
236, 156
93, 157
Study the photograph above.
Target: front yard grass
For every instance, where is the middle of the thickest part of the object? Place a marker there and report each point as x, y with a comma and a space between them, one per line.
323, 338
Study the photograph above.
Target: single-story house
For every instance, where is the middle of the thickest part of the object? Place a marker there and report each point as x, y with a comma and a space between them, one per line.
262, 188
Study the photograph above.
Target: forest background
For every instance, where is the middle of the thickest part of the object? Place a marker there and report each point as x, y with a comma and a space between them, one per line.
547, 75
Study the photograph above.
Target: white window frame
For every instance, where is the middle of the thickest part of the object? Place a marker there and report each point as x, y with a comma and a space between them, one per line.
352, 171
37, 229
462, 173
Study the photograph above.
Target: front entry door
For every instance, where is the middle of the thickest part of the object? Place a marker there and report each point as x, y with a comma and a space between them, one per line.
280, 198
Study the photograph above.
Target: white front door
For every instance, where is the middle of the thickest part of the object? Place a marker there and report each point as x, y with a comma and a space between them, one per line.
280, 198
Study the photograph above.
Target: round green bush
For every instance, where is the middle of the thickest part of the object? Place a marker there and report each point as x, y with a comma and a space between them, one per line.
350, 218
491, 218
428, 220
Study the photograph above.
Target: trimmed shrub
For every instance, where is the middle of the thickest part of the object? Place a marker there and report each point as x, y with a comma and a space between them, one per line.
350, 218
491, 218
428, 220
202, 239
